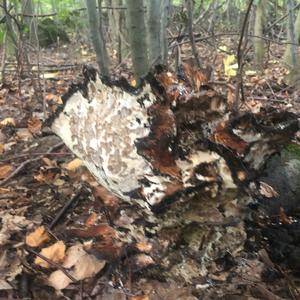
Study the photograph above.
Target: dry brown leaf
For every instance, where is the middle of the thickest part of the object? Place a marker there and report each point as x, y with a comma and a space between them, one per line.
34, 125
267, 190
108, 198
45, 177
4, 190
87, 266
54, 98
141, 261
24, 134
10, 224
37, 237
284, 219
54, 253
48, 162
91, 220
144, 246
8, 122
73, 254
5, 170
73, 165
58, 280
104, 231
1, 149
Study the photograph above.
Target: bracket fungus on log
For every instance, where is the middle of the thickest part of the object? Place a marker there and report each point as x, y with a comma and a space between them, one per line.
173, 150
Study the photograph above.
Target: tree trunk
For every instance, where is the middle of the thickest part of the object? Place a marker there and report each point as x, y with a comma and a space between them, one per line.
165, 8
137, 36
31, 22
157, 20
97, 37
258, 31
297, 28
116, 18
290, 56
154, 21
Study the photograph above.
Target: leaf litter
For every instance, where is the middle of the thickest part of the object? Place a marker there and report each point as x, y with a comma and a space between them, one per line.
39, 191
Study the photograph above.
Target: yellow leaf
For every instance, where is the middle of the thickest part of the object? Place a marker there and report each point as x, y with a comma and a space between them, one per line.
223, 48
230, 66
37, 237
133, 82
50, 75
8, 121
54, 253
250, 72
73, 165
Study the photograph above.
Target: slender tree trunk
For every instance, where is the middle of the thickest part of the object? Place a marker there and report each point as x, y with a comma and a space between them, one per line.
11, 34
297, 28
165, 8
117, 30
258, 31
97, 37
157, 20
190, 10
137, 36
31, 22
290, 56
154, 21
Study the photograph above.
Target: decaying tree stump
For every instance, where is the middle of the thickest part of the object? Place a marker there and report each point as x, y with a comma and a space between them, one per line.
183, 165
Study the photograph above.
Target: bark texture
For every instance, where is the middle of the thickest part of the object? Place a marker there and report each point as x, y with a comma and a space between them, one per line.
137, 36
290, 56
258, 31
97, 37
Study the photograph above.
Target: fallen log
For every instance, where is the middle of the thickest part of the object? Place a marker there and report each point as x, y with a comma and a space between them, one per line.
179, 159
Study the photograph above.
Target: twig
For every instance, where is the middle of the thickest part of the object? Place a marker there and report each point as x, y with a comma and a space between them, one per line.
26, 162
65, 208
35, 154
50, 262
240, 56
283, 17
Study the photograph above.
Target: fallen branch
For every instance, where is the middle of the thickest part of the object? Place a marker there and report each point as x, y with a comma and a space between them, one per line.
26, 162
65, 208
50, 262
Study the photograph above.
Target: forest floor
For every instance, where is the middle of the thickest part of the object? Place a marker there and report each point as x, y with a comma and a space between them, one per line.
43, 184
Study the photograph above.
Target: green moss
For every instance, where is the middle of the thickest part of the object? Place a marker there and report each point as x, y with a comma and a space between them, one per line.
294, 150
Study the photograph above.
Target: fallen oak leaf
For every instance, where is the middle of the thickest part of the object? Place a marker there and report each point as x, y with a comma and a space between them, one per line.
55, 253
84, 266
37, 237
